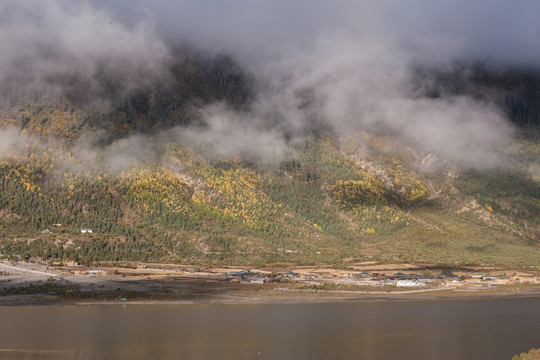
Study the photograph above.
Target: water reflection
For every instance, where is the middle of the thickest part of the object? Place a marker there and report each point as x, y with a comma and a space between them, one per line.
465, 329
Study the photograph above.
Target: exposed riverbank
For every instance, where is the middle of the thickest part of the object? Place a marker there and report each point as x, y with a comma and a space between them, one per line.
35, 284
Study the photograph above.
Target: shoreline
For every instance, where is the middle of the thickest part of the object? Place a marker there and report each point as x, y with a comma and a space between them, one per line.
282, 298
24, 284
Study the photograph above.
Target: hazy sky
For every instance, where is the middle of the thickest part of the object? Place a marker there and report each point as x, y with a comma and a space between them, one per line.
493, 29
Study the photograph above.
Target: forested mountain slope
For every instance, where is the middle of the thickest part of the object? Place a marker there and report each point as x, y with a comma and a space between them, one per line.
122, 165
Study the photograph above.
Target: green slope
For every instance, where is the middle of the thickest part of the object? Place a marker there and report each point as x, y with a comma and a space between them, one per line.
317, 206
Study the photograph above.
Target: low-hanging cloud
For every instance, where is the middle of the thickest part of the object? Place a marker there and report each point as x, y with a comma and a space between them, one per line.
345, 64
48, 45
350, 86
228, 133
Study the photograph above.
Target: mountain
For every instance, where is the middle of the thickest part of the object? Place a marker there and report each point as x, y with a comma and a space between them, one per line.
137, 168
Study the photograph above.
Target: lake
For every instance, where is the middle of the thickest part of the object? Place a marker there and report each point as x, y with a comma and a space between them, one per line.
392, 329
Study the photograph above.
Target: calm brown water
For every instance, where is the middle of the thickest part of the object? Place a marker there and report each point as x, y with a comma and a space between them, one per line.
447, 329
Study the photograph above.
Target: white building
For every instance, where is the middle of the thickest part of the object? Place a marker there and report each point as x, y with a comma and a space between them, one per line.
408, 283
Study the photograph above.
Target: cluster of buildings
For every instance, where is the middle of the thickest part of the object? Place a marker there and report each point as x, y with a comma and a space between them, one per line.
399, 279
466, 279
